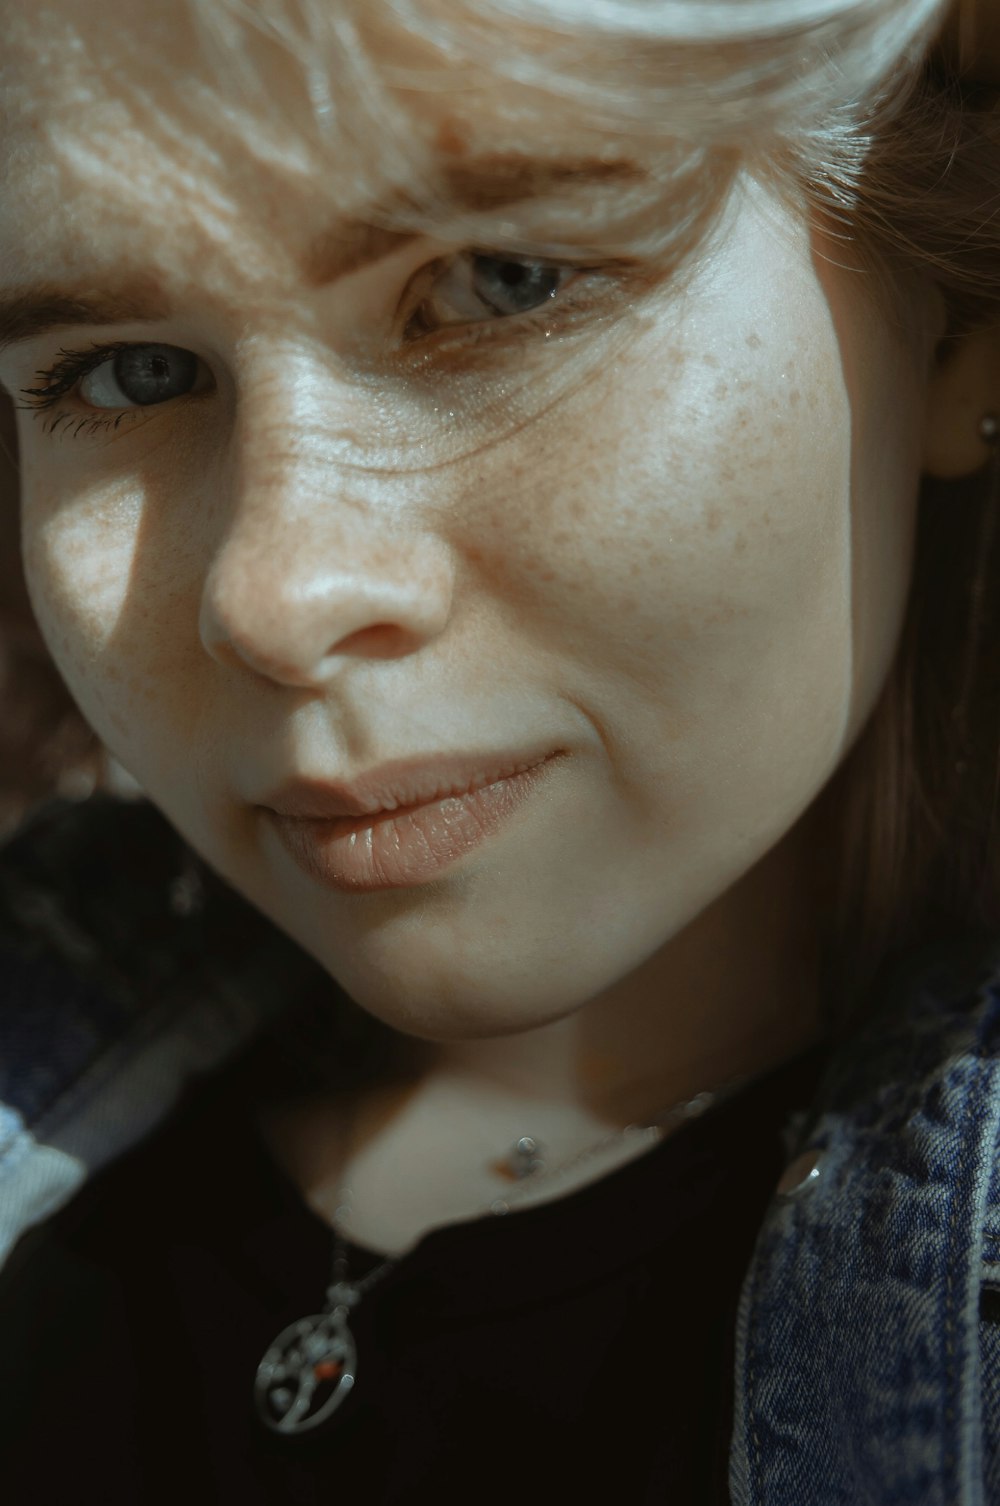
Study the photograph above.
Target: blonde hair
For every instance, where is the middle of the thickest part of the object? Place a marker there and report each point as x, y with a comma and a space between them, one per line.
858, 110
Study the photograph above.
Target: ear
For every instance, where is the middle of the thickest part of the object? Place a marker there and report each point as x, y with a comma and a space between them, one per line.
964, 385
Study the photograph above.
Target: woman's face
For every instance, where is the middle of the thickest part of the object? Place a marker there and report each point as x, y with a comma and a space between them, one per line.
398, 500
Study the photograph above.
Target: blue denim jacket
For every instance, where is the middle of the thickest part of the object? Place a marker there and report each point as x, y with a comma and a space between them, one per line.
868, 1340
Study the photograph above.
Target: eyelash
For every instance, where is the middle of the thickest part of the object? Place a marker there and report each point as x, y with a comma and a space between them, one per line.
63, 375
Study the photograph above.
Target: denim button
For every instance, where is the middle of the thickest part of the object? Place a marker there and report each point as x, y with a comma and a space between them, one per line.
802, 1173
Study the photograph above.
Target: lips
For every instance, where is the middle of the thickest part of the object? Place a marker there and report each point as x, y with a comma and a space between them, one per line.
441, 812
400, 785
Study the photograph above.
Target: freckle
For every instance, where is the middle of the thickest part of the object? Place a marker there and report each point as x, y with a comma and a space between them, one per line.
754, 341
794, 396
450, 139
722, 389
712, 519
740, 547
709, 359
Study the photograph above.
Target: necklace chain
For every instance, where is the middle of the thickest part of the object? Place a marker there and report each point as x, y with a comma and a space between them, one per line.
311, 1366
526, 1151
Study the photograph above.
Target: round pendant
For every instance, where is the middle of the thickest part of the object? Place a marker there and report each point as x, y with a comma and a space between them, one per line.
306, 1373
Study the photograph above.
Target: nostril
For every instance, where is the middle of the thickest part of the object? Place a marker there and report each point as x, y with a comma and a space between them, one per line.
242, 652
381, 640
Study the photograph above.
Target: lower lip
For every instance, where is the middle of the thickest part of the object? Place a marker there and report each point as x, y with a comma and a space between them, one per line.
401, 848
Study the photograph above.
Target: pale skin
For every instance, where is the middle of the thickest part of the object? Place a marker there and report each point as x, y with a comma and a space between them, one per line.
688, 571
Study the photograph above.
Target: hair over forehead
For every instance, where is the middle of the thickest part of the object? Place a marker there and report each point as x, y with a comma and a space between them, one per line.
689, 86
383, 89
701, 68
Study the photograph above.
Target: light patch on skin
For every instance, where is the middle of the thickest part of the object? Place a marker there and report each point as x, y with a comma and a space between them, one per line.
676, 543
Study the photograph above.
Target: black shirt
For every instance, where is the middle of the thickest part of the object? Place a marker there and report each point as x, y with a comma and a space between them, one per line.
577, 1351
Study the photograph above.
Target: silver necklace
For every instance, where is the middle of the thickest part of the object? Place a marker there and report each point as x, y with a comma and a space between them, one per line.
310, 1368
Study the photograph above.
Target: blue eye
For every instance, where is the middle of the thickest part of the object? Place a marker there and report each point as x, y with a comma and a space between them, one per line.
480, 288
116, 382
514, 287
140, 376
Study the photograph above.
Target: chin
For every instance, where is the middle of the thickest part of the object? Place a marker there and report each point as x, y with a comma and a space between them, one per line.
470, 1014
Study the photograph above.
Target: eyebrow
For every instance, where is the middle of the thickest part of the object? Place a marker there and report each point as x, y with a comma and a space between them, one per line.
486, 184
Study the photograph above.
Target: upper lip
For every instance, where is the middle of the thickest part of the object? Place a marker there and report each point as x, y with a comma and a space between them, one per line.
400, 783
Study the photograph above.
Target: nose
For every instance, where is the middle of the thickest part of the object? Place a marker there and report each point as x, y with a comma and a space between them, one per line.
296, 594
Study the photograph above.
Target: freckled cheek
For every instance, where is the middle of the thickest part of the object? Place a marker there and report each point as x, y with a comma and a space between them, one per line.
648, 519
